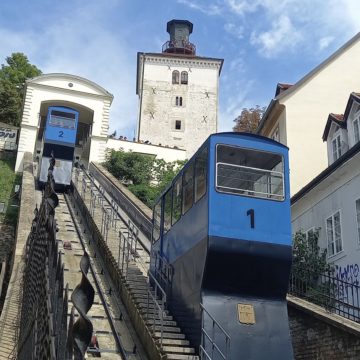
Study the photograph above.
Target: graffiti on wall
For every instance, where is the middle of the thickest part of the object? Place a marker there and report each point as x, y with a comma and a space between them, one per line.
348, 273
8, 138
347, 286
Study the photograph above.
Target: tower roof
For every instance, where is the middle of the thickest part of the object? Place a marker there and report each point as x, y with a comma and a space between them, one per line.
183, 22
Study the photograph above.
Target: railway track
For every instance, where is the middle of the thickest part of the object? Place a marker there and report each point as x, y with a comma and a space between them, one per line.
115, 337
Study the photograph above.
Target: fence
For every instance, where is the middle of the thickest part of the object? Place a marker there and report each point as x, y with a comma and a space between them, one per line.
44, 333
326, 290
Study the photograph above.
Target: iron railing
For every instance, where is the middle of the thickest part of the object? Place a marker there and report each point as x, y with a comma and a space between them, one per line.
326, 290
215, 341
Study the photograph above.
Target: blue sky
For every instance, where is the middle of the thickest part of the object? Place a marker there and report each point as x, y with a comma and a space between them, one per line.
261, 42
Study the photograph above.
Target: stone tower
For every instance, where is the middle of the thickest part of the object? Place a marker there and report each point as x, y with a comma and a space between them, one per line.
178, 92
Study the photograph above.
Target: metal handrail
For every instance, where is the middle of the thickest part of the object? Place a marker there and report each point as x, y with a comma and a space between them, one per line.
160, 306
211, 339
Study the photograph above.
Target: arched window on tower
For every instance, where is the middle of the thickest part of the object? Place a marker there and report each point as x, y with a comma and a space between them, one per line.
175, 77
184, 77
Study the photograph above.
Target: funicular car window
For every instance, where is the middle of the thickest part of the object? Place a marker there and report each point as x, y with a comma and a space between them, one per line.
200, 174
62, 119
176, 204
167, 210
157, 221
249, 172
188, 188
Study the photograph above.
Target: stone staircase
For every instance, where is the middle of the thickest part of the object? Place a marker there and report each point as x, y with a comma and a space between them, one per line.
167, 334
170, 341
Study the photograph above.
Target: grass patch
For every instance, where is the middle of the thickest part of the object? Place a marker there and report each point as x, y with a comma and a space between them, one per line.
8, 179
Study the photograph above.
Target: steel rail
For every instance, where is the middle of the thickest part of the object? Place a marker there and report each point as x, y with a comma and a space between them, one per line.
118, 342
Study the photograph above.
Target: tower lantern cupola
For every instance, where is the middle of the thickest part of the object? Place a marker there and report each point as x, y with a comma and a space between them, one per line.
179, 43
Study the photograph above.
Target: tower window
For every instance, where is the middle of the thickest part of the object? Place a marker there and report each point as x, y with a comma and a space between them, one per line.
178, 125
184, 77
175, 77
179, 101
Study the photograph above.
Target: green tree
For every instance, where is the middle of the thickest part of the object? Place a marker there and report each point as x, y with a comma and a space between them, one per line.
13, 75
249, 119
309, 264
145, 176
307, 253
130, 167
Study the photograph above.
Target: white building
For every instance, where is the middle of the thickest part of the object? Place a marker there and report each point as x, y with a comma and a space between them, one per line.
331, 201
298, 113
160, 152
178, 92
91, 100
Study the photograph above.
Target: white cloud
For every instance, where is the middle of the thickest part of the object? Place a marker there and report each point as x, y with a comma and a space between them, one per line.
281, 36
241, 7
275, 26
235, 30
206, 8
325, 42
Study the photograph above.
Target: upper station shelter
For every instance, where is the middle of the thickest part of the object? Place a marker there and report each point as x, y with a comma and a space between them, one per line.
88, 98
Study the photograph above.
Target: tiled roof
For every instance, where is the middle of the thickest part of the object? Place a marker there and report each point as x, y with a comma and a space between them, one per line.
280, 87
338, 119
354, 96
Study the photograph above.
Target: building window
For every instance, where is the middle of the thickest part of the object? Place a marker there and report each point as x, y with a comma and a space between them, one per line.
184, 77
175, 77
336, 147
333, 230
179, 101
358, 217
276, 134
178, 125
356, 124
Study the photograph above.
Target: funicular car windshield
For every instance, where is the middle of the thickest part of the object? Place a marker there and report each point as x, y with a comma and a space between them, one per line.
62, 119
249, 172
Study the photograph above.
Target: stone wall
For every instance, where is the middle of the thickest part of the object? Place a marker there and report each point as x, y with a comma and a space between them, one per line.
319, 335
10, 314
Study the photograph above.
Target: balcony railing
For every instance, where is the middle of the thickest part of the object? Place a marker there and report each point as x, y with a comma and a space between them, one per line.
179, 47
328, 291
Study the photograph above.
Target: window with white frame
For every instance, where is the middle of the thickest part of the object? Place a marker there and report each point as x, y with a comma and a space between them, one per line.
336, 147
357, 204
356, 126
333, 230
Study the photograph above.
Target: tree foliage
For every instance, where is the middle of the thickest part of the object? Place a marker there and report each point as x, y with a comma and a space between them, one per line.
310, 271
249, 119
307, 253
13, 75
144, 175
